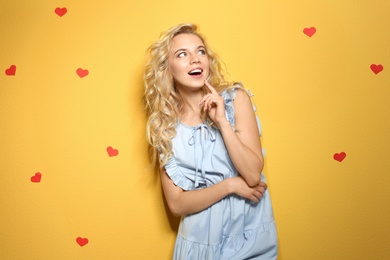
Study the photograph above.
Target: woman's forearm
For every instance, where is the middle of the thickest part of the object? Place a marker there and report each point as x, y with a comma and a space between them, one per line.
247, 162
188, 202
197, 200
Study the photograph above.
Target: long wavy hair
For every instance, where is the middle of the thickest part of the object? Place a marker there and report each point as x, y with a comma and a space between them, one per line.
162, 100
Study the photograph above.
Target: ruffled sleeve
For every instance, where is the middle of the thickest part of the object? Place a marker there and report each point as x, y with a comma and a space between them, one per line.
178, 178
255, 109
229, 96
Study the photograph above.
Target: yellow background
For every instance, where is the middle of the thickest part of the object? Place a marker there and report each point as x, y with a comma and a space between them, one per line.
316, 96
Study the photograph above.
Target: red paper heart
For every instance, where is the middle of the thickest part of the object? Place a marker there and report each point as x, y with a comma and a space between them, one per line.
309, 31
37, 177
60, 11
376, 68
82, 241
339, 156
11, 71
82, 73
111, 151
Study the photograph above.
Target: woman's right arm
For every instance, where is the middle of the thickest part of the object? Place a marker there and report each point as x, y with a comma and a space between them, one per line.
182, 202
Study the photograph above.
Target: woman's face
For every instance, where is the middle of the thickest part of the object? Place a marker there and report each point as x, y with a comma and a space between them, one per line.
188, 62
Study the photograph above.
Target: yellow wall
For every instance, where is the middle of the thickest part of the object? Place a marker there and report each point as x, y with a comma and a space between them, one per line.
316, 96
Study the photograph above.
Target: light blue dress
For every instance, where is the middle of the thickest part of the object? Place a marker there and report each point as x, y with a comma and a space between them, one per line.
233, 228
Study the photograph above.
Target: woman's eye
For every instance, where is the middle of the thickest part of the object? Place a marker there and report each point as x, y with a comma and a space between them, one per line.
203, 52
181, 54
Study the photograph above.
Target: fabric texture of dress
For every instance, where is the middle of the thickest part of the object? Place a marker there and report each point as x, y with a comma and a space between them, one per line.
233, 228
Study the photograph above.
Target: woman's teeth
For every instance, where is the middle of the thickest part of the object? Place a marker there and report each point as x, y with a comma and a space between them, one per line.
195, 72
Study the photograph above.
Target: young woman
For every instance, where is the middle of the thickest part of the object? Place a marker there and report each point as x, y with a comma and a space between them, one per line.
204, 135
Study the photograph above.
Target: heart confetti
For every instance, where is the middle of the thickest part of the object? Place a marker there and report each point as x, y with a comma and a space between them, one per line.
61, 11
11, 71
111, 151
339, 156
309, 31
82, 73
376, 68
82, 241
37, 177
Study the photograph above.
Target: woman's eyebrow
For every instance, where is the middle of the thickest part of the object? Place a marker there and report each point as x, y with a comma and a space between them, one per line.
183, 49
179, 50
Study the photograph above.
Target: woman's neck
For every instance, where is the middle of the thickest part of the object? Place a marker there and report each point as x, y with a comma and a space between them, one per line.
191, 111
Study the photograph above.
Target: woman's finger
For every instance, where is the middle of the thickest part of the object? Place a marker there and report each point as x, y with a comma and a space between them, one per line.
205, 99
211, 88
263, 184
254, 198
260, 196
262, 190
210, 101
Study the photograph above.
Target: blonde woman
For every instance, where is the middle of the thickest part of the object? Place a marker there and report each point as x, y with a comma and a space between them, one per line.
205, 138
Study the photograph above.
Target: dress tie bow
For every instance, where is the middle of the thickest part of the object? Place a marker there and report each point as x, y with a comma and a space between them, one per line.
199, 135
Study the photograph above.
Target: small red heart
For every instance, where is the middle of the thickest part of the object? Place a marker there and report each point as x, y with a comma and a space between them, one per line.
82, 241
376, 68
11, 71
111, 151
339, 156
309, 31
60, 11
37, 177
82, 73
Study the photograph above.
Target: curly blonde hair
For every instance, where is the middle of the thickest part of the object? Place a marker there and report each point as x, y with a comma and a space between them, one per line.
162, 101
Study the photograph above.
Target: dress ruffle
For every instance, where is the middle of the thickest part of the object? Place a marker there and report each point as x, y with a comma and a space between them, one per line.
234, 247
229, 96
178, 178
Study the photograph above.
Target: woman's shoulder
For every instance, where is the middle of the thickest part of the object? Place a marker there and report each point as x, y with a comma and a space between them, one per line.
236, 91
229, 94
237, 96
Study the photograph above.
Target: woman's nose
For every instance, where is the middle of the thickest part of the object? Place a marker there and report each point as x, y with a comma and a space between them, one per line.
194, 59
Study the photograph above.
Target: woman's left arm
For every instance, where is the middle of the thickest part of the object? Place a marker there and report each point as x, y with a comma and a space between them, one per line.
243, 144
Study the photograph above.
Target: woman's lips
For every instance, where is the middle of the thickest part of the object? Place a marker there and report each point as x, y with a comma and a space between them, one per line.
196, 73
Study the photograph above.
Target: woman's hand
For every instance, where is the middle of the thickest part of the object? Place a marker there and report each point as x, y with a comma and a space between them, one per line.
241, 188
214, 104
182, 202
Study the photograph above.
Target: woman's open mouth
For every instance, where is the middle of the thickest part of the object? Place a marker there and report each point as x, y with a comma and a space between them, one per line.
196, 72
